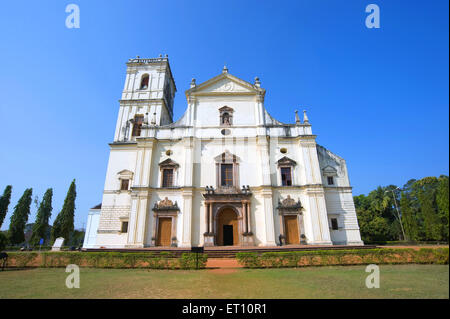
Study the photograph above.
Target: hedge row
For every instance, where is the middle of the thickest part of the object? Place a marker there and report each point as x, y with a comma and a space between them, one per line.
163, 260
344, 257
405, 242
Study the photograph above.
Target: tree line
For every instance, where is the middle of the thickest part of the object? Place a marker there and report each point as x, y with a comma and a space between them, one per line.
416, 212
63, 226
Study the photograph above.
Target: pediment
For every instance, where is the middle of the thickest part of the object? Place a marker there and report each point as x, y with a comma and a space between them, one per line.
286, 161
329, 171
125, 173
168, 162
227, 157
226, 109
224, 83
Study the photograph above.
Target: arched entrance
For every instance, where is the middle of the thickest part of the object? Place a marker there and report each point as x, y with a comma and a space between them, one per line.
227, 228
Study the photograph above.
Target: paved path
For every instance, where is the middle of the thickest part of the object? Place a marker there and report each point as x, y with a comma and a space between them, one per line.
222, 263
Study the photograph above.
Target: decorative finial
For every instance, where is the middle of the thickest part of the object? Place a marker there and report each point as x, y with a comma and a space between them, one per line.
225, 69
137, 56
297, 118
305, 117
166, 56
257, 82
160, 55
193, 84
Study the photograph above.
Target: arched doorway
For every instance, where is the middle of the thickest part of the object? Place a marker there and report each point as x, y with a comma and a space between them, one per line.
227, 228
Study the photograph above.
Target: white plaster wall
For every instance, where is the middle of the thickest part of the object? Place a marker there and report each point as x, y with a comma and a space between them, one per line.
257, 147
90, 236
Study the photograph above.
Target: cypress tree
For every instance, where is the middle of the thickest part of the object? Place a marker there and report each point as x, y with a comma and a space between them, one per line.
408, 217
19, 218
41, 226
428, 206
4, 203
63, 225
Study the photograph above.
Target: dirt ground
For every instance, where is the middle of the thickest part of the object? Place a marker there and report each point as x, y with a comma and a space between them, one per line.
225, 263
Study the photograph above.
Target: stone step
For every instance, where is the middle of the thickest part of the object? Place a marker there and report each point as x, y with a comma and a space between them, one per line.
229, 251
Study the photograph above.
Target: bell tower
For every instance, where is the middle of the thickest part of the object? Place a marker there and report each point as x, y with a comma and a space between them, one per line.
147, 97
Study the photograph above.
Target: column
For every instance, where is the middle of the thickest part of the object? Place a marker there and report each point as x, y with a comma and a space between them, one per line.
249, 218
281, 225
244, 213
187, 218
211, 228
174, 231
207, 217
155, 220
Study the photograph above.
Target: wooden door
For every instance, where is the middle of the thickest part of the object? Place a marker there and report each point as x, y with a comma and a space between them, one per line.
164, 231
291, 230
227, 218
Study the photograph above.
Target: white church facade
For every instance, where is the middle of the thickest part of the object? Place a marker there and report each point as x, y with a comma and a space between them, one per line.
226, 173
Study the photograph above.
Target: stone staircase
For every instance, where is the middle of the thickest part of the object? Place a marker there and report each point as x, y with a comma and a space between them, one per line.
229, 251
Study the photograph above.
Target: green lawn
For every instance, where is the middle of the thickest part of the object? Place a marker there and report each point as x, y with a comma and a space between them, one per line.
397, 281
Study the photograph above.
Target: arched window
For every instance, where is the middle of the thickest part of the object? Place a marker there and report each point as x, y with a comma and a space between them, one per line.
144, 82
137, 124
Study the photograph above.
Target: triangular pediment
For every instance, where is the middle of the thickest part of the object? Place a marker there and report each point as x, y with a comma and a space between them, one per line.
169, 162
225, 84
286, 161
227, 157
226, 109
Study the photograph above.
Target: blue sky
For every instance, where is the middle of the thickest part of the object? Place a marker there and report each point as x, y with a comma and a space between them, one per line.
377, 97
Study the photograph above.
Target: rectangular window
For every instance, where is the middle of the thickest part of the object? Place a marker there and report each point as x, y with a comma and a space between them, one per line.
286, 177
167, 177
226, 174
330, 180
138, 120
334, 224
124, 184
124, 228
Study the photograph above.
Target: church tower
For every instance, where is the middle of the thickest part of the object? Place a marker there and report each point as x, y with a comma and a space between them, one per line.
147, 97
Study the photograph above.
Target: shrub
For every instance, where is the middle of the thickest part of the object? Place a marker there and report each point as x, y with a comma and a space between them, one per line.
163, 260
344, 257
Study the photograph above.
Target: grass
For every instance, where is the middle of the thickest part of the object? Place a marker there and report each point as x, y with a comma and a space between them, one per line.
396, 281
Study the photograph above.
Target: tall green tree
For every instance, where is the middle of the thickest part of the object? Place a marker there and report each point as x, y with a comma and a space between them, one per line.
44, 212
4, 203
409, 217
442, 204
19, 218
426, 193
63, 225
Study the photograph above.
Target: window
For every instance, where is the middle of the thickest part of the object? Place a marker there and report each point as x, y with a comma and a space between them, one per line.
226, 174
138, 120
124, 184
124, 227
330, 180
334, 224
286, 177
167, 177
144, 82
